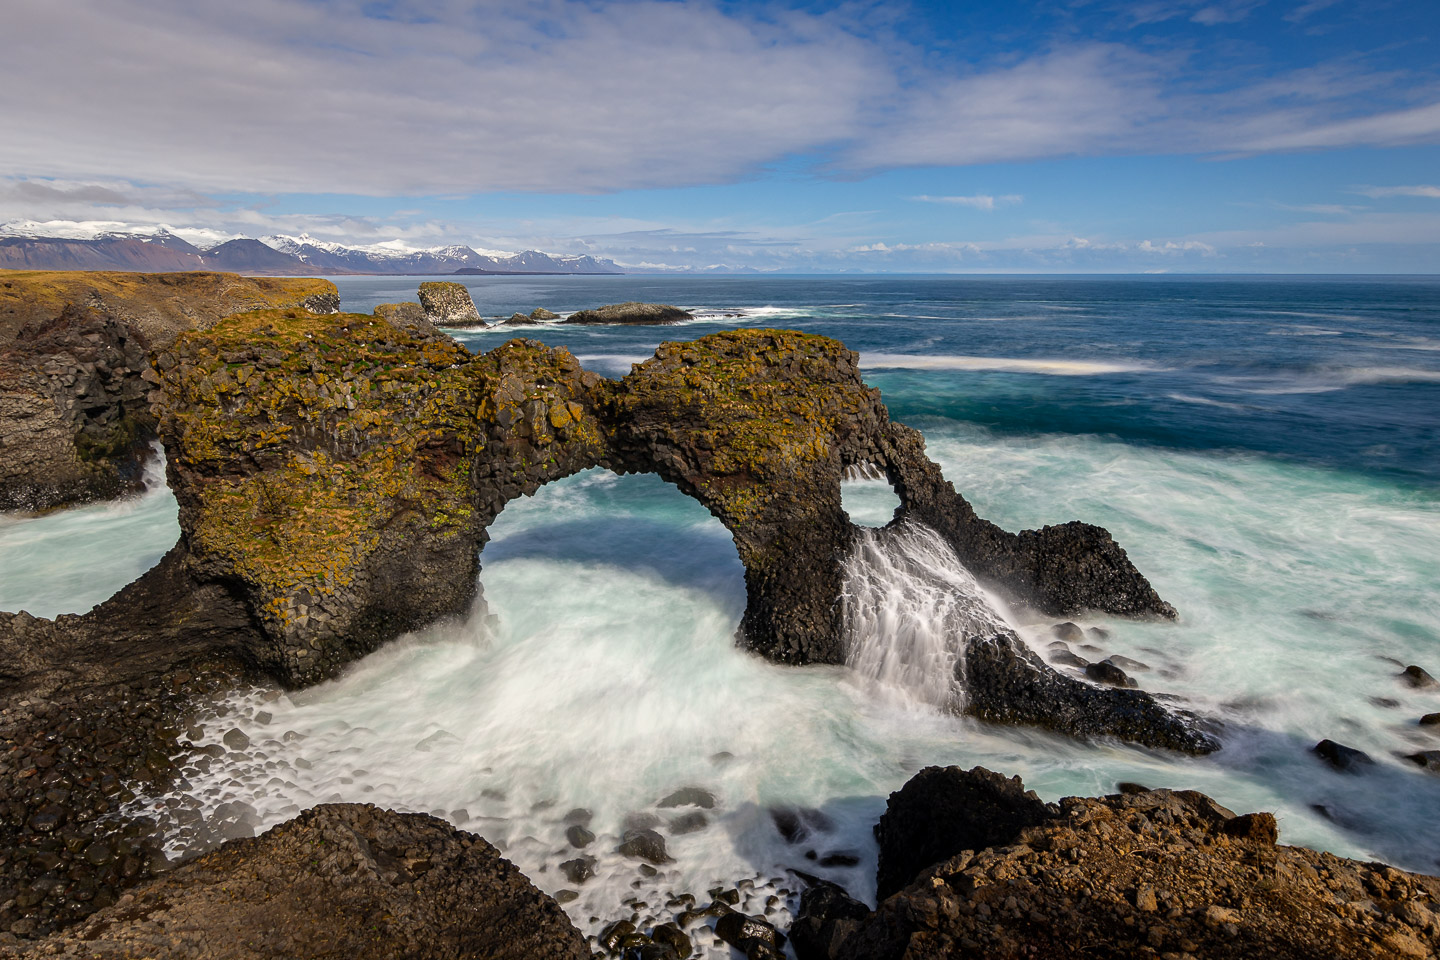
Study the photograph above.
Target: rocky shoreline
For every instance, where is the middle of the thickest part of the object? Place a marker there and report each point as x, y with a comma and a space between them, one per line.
336, 474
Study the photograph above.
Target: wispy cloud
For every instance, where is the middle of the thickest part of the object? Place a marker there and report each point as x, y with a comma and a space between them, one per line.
1420, 190
980, 201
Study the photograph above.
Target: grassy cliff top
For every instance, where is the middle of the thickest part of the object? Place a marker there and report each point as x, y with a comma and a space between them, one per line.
159, 305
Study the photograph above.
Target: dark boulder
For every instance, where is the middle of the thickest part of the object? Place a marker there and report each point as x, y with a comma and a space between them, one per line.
1417, 678
689, 797
1068, 631
943, 810
338, 881
1341, 757
1109, 674
826, 919
644, 844
745, 933
1428, 760
1430, 720
631, 312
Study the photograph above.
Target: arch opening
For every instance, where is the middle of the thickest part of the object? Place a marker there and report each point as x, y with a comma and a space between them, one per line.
868, 497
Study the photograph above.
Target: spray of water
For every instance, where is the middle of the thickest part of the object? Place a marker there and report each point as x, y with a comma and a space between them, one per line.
910, 607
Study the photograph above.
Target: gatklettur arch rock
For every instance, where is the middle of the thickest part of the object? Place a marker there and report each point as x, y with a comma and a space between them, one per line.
338, 475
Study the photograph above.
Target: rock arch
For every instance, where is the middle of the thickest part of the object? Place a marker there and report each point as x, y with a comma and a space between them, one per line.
339, 474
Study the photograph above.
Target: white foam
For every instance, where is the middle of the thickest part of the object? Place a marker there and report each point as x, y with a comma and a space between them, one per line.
1050, 367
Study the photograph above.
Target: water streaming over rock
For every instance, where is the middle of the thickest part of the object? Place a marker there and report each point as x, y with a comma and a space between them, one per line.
910, 607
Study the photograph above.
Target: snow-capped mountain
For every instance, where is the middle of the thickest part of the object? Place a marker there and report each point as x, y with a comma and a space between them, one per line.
396, 257
64, 245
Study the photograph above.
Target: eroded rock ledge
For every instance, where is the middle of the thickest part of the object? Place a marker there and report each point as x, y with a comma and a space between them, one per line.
340, 880
974, 866
74, 423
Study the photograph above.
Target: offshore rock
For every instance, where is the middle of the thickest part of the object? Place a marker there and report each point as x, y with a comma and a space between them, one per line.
631, 312
540, 313
340, 880
75, 424
1154, 873
448, 304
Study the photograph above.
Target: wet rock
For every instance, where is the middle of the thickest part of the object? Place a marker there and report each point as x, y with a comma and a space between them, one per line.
577, 815
1129, 788
516, 320
1068, 631
689, 797
689, 823
579, 836
1426, 760
1417, 678
579, 870
943, 810
1109, 674
1341, 757
788, 822
1430, 720
1098, 633
1125, 663
744, 933
236, 739
826, 918
839, 860
1067, 659
672, 936
611, 936
540, 313
721, 758
631, 312
1385, 703
645, 845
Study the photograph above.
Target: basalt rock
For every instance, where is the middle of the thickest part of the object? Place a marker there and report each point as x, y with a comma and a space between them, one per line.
1154, 873
410, 317
341, 473
631, 312
74, 421
448, 304
340, 880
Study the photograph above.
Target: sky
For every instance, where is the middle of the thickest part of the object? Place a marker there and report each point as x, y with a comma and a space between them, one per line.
1217, 136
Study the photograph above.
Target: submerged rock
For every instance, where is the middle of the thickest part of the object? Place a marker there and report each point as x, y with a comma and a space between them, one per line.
1109, 674
1341, 757
1417, 678
339, 880
631, 312
689, 797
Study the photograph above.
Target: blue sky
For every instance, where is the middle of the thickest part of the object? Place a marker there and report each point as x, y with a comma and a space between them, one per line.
1165, 135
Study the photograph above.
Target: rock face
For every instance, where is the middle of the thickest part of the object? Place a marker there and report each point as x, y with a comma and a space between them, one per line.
1154, 873
74, 422
341, 472
631, 312
448, 304
340, 880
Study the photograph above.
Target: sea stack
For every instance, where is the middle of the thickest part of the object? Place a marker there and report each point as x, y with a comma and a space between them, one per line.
448, 304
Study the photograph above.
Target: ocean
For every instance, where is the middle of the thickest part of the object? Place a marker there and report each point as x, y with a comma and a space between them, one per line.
1267, 449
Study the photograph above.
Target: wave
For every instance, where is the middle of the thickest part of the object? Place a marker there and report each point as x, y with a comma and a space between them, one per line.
1327, 381
1049, 367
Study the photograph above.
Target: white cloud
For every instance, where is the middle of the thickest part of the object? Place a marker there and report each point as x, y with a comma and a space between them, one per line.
1420, 190
1172, 248
980, 201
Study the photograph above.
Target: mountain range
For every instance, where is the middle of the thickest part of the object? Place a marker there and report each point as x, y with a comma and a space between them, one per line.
163, 251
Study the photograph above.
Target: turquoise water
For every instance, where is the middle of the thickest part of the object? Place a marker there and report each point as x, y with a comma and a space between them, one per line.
1266, 451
